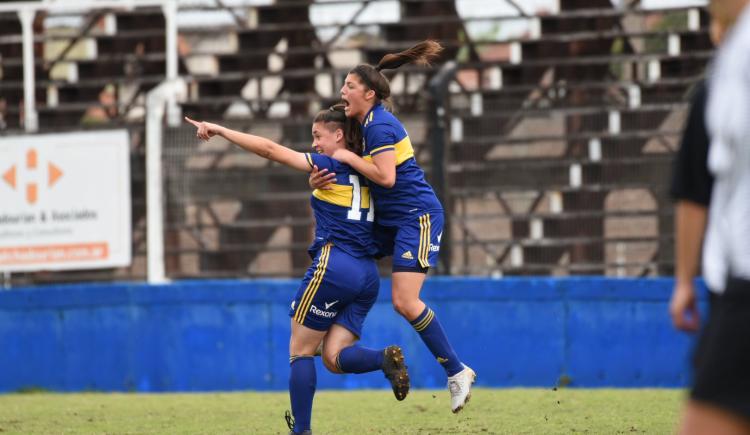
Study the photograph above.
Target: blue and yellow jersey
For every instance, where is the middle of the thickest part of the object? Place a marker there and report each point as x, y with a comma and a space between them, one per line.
343, 215
411, 195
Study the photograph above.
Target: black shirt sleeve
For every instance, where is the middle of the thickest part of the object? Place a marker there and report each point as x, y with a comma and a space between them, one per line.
691, 180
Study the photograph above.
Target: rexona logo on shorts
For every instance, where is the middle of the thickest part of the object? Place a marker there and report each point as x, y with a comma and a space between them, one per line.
434, 248
318, 312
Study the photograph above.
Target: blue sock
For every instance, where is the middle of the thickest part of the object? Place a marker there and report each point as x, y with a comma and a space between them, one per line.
357, 359
428, 327
302, 380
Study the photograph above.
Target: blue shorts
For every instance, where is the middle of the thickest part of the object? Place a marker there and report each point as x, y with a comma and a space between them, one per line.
414, 244
337, 288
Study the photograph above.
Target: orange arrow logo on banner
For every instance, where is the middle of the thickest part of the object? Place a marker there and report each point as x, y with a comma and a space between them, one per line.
10, 176
54, 174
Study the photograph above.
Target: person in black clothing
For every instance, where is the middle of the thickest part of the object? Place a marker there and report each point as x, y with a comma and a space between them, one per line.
719, 401
691, 188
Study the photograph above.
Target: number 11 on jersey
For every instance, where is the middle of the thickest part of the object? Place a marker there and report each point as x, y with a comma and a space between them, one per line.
355, 213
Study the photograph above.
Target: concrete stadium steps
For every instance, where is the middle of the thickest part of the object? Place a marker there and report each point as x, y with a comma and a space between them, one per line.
10, 50
544, 148
667, 91
135, 41
13, 70
10, 24
555, 173
562, 24
148, 18
684, 66
695, 41
588, 234
541, 48
61, 116
13, 93
280, 196
217, 86
483, 135
249, 39
11, 46
50, 119
205, 110
247, 61
580, 241
283, 11
121, 66
240, 245
566, 95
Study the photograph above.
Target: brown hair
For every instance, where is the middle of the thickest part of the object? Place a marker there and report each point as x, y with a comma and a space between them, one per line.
420, 54
726, 12
351, 128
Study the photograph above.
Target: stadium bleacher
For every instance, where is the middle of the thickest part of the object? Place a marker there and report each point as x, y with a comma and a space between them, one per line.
558, 146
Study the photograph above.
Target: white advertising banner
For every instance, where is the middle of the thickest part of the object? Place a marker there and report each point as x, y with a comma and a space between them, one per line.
65, 201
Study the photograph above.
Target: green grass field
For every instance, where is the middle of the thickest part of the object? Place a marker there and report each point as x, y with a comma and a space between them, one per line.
491, 411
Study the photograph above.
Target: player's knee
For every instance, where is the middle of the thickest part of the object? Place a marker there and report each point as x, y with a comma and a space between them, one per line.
302, 349
406, 307
399, 307
329, 361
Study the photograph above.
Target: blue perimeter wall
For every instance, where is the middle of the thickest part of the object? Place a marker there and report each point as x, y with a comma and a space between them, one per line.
234, 335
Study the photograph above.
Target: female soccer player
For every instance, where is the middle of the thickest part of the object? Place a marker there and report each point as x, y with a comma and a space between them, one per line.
342, 283
409, 215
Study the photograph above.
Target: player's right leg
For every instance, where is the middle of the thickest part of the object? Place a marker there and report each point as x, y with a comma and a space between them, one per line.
308, 325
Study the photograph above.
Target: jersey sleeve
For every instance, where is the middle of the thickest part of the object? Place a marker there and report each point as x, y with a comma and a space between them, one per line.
322, 161
691, 179
379, 138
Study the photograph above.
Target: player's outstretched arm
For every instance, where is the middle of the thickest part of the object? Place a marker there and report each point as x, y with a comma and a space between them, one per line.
382, 170
261, 146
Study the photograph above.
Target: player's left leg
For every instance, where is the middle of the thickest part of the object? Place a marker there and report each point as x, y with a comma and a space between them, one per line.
341, 354
416, 248
406, 289
302, 377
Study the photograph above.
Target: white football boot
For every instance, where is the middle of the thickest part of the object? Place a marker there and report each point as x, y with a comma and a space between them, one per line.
460, 387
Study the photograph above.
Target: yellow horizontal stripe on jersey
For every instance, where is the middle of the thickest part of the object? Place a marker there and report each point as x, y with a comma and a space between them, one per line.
404, 151
338, 195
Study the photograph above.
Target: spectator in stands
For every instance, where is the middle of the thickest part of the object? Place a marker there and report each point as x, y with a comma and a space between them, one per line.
342, 283
409, 215
103, 112
720, 396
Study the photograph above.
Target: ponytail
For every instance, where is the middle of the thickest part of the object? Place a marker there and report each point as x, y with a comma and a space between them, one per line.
421, 54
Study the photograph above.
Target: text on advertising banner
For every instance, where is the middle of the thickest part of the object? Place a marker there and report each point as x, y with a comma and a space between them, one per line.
65, 201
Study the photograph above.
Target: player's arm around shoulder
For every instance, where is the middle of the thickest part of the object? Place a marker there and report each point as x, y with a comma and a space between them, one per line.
382, 170
261, 146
